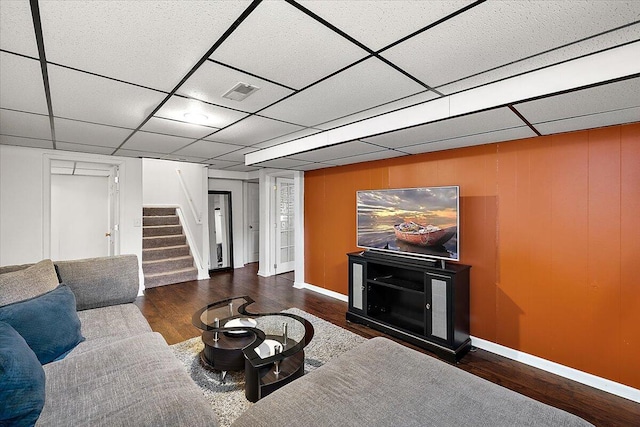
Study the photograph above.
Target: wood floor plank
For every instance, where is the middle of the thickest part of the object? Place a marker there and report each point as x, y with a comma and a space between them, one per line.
169, 309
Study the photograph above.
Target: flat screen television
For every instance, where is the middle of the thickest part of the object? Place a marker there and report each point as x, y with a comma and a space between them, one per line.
413, 222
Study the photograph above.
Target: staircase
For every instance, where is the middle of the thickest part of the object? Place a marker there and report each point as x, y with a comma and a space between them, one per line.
166, 257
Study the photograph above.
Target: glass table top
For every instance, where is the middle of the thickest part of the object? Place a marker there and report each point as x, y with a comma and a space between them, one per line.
277, 335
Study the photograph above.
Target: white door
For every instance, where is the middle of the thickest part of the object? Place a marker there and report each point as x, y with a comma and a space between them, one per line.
285, 239
80, 217
253, 222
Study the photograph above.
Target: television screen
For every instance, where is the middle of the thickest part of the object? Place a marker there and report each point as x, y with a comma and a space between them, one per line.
410, 221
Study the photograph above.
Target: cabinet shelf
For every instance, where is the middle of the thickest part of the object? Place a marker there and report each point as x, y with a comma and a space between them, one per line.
400, 284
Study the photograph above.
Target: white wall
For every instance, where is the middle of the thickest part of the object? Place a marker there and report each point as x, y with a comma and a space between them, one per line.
162, 187
237, 217
24, 174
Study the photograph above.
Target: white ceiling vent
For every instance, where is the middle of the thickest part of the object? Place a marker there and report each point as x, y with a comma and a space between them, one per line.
240, 91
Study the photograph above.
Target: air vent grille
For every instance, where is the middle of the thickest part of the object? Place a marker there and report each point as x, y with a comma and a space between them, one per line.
240, 91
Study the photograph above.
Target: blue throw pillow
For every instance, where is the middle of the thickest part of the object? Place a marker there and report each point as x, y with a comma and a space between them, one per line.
48, 323
21, 380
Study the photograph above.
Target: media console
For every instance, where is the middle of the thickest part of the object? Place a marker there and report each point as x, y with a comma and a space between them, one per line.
421, 301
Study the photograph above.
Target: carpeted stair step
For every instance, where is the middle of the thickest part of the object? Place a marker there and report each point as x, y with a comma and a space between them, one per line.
158, 211
177, 276
163, 241
161, 230
160, 220
167, 265
152, 254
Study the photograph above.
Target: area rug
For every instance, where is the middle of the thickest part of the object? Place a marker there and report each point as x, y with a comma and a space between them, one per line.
228, 400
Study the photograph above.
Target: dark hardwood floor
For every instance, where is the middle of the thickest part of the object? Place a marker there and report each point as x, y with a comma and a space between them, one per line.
169, 308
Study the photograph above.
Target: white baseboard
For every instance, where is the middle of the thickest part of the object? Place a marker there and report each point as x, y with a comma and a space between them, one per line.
558, 369
519, 356
323, 291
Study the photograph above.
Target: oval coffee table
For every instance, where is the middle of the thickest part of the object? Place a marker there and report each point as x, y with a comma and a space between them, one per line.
268, 346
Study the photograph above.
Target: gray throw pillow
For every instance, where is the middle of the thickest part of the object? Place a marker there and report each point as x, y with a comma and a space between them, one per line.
28, 283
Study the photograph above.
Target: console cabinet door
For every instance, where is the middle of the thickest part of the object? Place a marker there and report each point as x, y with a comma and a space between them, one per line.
437, 313
357, 286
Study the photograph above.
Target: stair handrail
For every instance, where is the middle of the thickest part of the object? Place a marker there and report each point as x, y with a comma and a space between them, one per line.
185, 190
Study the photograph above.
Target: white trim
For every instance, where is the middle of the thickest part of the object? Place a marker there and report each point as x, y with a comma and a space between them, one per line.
558, 369
323, 291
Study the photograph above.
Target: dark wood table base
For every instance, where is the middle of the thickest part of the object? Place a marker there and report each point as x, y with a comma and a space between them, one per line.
260, 382
226, 353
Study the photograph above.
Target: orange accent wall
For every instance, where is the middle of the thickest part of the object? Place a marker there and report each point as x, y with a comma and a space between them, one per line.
550, 226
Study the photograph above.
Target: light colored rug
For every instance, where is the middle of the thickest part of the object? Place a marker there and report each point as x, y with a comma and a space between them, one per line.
228, 400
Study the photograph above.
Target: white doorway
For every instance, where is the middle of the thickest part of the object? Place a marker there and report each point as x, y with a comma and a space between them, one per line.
253, 222
285, 222
84, 209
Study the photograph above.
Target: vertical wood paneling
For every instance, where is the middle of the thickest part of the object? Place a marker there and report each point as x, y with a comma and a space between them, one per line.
601, 301
629, 309
549, 225
569, 252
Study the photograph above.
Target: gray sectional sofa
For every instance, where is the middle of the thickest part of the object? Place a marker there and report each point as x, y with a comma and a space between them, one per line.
125, 374
122, 373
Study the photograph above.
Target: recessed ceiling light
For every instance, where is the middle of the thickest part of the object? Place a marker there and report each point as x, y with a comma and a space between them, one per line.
195, 117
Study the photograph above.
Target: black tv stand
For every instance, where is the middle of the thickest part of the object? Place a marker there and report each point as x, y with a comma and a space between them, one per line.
422, 301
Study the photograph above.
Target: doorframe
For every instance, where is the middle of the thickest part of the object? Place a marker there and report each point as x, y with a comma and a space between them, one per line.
46, 193
230, 231
267, 255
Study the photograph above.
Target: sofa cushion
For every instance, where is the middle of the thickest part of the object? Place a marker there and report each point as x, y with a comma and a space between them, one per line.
48, 323
105, 325
27, 282
135, 381
382, 383
22, 380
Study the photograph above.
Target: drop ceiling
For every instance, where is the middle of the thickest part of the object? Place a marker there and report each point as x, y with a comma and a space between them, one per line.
117, 77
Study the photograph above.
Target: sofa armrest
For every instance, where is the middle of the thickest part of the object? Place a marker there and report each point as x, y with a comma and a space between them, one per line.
100, 282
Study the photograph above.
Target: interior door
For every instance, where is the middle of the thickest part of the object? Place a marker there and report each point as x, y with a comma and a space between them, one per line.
285, 234
253, 222
80, 217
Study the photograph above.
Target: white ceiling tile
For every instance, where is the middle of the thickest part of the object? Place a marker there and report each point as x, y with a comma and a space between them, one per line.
177, 128
469, 140
371, 82
252, 130
237, 155
604, 41
212, 80
501, 118
28, 125
496, 33
206, 149
89, 133
391, 20
338, 151
282, 164
377, 110
131, 40
609, 118
613, 96
288, 137
155, 143
189, 159
282, 44
25, 142
21, 84
83, 148
82, 96
221, 164
218, 117
139, 154
242, 168
379, 155
16, 28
